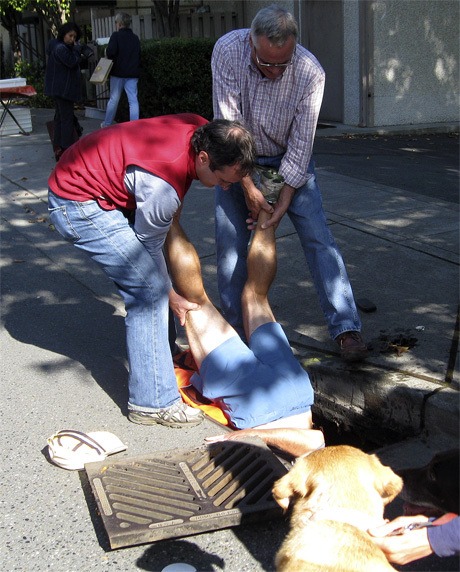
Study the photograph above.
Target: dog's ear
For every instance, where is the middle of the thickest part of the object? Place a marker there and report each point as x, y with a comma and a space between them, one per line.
283, 501
283, 491
387, 483
296, 484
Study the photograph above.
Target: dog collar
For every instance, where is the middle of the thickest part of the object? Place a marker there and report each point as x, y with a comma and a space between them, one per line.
354, 517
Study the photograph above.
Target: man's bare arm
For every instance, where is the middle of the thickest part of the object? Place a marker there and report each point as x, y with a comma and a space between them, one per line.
295, 442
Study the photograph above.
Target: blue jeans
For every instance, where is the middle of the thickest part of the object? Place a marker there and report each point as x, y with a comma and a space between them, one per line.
321, 252
109, 239
117, 85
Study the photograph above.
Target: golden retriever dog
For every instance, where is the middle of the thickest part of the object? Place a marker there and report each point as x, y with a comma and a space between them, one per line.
337, 494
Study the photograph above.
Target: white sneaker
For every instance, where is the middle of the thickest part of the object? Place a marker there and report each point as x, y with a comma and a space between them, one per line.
179, 414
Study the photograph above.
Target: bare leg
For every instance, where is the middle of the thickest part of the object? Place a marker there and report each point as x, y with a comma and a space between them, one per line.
293, 434
261, 273
206, 328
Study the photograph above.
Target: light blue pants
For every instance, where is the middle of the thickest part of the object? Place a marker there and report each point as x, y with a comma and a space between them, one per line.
109, 239
321, 252
256, 384
117, 85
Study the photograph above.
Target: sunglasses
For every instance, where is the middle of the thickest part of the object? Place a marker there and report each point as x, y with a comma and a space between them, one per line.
265, 65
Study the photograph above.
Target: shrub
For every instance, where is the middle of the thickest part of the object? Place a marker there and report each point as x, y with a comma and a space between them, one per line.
175, 78
35, 76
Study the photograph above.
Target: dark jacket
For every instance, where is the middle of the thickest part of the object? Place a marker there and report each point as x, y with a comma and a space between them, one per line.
124, 48
63, 77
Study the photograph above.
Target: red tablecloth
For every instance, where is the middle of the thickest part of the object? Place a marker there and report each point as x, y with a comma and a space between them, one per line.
17, 91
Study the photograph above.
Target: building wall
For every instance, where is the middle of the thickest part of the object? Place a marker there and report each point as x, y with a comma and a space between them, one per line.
315, 18
415, 61
351, 63
253, 6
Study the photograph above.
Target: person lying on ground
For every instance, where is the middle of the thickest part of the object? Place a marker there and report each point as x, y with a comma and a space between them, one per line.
261, 387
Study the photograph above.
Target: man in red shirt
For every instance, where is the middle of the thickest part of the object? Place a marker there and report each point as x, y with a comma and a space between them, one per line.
145, 166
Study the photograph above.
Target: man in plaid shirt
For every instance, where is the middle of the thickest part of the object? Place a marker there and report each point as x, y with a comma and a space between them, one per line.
273, 85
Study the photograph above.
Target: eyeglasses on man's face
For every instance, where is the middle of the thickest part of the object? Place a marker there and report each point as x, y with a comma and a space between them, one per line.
266, 65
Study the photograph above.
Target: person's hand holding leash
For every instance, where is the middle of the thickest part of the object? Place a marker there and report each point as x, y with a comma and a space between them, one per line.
401, 541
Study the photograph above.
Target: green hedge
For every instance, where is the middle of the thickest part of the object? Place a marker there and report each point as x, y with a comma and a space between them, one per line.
34, 75
175, 78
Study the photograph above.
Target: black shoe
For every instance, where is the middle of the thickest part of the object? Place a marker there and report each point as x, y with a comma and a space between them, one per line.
352, 346
58, 153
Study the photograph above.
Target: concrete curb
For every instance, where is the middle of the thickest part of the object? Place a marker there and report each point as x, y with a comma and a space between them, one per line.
341, 130
388, 405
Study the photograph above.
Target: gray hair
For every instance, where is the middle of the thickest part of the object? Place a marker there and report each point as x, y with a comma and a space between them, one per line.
275, 23
124, 19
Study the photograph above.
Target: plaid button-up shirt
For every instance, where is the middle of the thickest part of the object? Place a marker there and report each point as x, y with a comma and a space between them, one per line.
282, 113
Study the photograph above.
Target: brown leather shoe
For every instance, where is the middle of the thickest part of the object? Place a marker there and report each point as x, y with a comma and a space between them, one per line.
352, 346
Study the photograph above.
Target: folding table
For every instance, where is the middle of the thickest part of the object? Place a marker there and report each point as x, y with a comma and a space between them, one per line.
7, 95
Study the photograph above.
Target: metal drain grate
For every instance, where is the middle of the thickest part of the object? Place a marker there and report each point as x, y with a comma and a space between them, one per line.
179, 493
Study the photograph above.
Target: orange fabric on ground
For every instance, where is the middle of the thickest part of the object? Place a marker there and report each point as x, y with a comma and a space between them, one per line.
184, 368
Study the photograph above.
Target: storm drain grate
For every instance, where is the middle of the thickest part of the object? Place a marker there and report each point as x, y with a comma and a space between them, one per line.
178, 493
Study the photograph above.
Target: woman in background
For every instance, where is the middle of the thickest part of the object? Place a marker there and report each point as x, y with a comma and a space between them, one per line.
124, 48
63, 82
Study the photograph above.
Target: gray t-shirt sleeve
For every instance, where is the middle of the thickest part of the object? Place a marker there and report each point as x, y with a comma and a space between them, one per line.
156, 204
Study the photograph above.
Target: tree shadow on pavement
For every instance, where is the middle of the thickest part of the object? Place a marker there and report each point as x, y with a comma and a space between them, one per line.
45, 307
162, 554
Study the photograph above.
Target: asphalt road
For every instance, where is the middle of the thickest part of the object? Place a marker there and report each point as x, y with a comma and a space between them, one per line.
424, 164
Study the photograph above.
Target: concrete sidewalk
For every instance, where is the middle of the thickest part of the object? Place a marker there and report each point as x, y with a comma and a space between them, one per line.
64, 362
